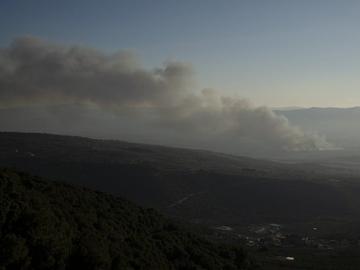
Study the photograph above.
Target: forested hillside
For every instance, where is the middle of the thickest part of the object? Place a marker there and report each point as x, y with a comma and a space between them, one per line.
207, 187
48, 225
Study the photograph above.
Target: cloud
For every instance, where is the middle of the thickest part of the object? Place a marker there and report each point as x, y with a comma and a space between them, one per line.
159, 102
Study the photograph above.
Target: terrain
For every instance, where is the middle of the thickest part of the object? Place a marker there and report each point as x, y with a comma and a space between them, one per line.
306, 210
194, 184
49, 225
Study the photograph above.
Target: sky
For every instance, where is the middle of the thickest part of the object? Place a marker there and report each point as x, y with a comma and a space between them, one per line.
199, 74
274, 52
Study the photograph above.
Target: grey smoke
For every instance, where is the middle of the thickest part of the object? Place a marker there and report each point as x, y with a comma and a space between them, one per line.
90, 92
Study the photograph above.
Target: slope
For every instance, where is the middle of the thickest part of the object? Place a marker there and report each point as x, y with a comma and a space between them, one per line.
48, 225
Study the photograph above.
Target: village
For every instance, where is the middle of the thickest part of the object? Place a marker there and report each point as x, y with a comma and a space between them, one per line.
273, 235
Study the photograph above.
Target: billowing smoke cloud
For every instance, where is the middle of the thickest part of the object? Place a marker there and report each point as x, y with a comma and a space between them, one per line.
117, 90
32, 70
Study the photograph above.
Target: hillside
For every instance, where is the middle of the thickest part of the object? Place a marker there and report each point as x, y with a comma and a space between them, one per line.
271, 208
197, 185
48, 225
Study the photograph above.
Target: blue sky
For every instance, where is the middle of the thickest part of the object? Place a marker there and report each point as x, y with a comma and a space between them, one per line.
279, 53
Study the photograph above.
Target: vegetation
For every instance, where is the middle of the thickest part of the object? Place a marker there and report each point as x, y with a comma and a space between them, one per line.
49, 225
215, 189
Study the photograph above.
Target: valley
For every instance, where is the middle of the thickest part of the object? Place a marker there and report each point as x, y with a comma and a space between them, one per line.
274, 209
